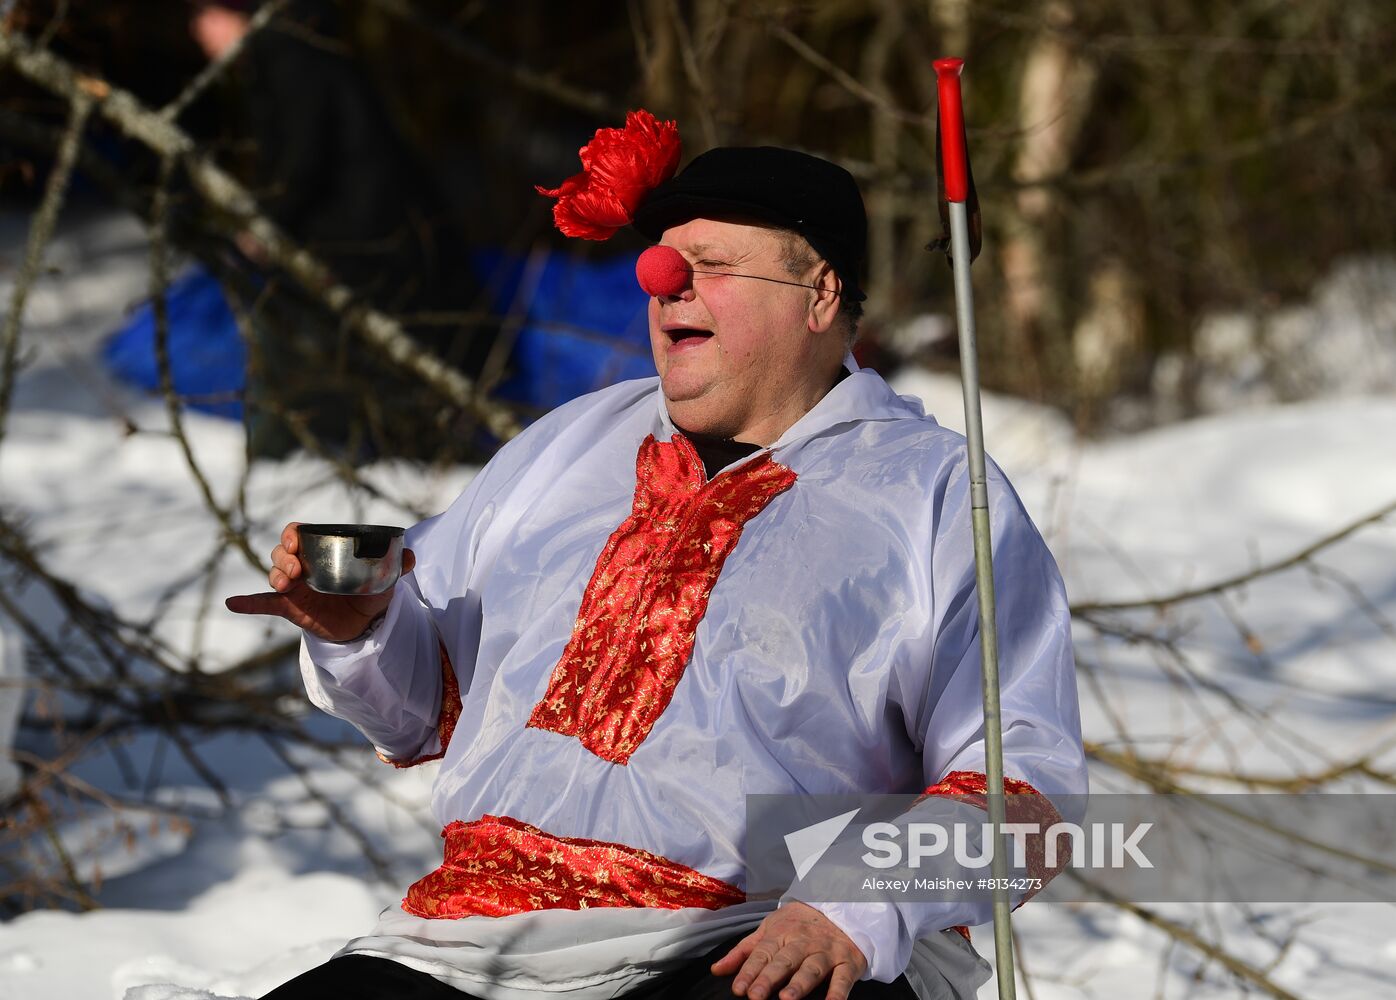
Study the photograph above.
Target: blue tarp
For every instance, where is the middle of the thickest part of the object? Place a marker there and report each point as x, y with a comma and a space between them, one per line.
580, 326
584, 324
207, 356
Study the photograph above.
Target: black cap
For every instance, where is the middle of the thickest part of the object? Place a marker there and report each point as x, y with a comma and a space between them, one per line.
793, 190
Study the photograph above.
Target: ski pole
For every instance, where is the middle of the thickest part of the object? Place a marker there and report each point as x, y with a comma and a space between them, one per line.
955, 164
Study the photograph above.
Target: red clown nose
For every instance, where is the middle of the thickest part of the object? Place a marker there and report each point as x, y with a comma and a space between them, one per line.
662, 271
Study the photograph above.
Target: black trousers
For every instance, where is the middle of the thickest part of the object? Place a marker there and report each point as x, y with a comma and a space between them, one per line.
362, 977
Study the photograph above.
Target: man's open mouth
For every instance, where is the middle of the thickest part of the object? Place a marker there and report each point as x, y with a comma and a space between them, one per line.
682, 336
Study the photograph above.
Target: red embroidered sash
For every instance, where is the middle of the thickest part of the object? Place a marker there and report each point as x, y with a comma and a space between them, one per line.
495, 866
635, 629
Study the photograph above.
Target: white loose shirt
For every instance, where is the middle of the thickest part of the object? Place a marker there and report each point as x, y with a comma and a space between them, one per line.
838, 654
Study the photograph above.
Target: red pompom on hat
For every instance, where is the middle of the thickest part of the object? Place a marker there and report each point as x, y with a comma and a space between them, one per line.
619, 167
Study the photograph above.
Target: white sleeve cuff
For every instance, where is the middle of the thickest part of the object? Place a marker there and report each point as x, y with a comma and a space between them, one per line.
387, 683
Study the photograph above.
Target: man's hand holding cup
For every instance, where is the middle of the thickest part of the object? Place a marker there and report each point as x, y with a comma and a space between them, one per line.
312, 560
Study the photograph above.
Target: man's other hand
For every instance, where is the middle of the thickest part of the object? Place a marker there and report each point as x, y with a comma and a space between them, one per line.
797, 944
328, 616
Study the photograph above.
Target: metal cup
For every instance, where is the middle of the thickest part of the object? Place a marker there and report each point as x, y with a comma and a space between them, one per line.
352, 560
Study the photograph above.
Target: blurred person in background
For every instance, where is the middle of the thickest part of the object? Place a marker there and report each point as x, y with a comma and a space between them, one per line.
331, 170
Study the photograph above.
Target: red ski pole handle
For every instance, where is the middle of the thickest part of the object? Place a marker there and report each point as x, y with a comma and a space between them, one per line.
954, 158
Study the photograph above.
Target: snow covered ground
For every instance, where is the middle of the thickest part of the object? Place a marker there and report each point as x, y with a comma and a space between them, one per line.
1284, 676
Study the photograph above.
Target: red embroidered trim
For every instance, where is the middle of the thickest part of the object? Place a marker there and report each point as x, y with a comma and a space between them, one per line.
1022, 804
446, 721
650, 589
495, 866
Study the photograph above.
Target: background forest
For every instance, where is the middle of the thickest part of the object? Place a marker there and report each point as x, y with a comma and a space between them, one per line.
1138, 164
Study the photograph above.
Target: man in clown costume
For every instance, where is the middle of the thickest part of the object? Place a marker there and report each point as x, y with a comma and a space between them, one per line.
752, 574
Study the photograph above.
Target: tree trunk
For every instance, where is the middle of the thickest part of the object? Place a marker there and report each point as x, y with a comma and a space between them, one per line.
1054, 96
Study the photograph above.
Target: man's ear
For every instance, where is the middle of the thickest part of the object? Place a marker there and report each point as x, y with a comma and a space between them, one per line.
824, 304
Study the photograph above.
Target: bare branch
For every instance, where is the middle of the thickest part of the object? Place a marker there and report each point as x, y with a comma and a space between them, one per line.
1240, 579
1154, 168
1191, 938
159, 287
382, 867
40, 232
847, 80
65, 860
694, 73
1146, 769
60, 14
544, 84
